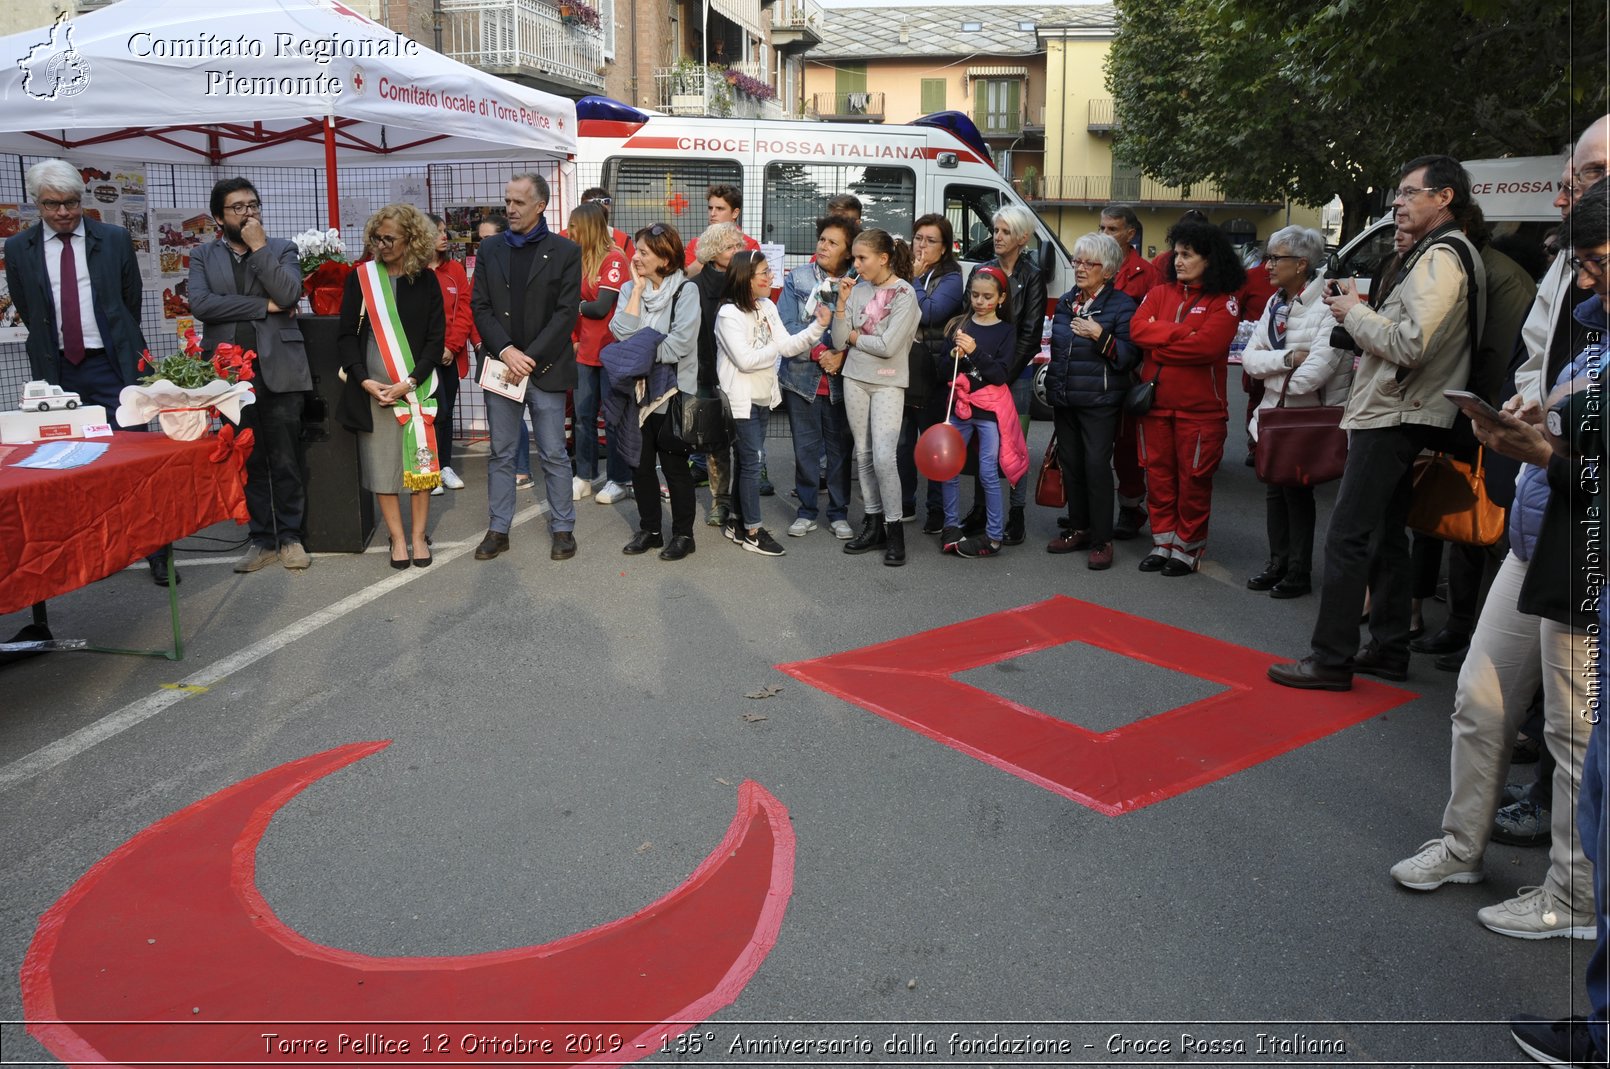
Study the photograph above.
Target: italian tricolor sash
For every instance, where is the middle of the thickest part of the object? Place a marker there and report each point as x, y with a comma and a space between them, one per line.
421, 466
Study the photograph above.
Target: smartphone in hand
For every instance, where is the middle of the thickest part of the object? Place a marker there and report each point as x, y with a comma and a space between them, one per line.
1473, 405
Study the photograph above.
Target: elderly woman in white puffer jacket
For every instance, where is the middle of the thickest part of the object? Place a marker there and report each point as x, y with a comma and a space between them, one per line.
1290, 353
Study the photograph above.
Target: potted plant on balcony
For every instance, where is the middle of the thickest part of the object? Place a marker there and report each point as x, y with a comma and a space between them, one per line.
751, 87
577, 13
1031, 181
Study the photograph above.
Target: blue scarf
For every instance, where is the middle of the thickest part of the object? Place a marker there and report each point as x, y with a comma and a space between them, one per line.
536, 233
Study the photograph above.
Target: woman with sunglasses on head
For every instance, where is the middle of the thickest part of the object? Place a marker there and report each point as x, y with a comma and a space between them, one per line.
875, 321
392, 371
750, 339
658, 297
936, 279
812, 388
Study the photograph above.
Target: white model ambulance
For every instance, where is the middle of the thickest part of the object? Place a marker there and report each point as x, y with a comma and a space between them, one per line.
658, 167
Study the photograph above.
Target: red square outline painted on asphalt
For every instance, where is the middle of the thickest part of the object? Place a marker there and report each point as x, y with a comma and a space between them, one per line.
911, 682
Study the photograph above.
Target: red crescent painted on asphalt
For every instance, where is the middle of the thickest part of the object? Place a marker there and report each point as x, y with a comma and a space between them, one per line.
909, 681
172, 921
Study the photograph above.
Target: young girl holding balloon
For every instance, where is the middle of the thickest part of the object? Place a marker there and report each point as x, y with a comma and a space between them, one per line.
981, 405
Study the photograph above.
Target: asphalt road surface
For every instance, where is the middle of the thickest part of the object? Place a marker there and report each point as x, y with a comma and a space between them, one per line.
568, 743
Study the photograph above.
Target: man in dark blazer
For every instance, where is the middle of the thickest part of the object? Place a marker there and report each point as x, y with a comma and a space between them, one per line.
94, 351
243, 288
525, 300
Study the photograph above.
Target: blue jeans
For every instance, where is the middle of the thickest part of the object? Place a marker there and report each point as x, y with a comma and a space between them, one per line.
592, 383
819, 423
989, 474
1593, 828
749, 452
508, 419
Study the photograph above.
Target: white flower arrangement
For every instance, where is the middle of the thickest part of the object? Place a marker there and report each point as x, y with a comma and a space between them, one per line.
316, 247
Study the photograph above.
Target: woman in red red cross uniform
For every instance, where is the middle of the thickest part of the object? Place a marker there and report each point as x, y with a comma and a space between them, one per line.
1185, 326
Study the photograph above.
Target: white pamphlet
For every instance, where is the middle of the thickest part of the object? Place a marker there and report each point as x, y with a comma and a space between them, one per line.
496, 377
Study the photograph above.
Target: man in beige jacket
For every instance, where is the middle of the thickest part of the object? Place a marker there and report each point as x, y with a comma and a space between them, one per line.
1415, 343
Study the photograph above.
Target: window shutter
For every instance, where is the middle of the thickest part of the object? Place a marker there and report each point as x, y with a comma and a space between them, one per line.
933, 95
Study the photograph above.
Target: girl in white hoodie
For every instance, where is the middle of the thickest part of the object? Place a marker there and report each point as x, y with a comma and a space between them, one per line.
750, 342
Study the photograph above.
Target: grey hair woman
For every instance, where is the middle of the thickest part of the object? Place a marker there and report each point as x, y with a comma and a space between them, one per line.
1290, 353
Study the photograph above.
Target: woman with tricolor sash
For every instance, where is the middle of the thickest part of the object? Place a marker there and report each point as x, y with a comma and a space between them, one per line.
392, 326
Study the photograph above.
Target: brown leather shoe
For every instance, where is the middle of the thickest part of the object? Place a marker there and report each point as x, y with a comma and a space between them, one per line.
494, 543
1068, 541
1100, 557
1309, 674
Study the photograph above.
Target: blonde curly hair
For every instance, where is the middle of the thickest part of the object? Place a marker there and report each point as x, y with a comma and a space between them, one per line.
419, 235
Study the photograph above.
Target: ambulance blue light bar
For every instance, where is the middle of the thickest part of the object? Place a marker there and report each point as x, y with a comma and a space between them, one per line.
956, 123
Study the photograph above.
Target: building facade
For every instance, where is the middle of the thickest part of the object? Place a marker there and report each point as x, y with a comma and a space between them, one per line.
1032, 78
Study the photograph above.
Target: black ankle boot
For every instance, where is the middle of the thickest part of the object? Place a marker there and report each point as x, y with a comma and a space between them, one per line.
894, 554
871, 537
1014, 528
973, 522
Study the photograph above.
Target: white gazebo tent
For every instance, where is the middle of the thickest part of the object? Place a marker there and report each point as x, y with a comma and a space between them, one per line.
261, 82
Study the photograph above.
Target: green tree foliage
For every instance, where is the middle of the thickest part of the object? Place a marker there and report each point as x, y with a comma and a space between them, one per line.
1305, 99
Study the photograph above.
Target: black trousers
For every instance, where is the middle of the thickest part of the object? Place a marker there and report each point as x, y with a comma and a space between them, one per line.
913, 422
1084, 451
276, 493
1367, 546
446, 399
1289, 516
646, 484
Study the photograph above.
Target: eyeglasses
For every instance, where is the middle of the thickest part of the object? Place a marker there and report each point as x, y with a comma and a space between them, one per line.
1273, 258
385, 241
249, 208
59, 205
1581, 179
1591, 264
657, 229
1094, 265
606, 201
926, 239
1410, 192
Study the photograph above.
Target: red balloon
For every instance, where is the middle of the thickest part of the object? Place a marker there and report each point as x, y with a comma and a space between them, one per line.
941, 452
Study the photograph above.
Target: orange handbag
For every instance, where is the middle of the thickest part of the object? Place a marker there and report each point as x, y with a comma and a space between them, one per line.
1451, 502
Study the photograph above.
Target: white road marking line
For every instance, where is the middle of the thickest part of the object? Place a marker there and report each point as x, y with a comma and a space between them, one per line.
203, 562
63, 750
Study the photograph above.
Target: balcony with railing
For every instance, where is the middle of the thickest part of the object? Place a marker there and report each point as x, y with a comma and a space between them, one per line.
1098, 189
527, 41
1102, 119
845, 107
796, 25
686, 90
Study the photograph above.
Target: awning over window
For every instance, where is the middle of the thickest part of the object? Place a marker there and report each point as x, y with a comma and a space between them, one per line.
997, 72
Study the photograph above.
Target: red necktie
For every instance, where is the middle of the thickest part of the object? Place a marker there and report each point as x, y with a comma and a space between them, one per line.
72, 326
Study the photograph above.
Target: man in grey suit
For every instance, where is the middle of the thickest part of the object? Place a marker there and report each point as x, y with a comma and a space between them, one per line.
243, 288
77, 288
525, 299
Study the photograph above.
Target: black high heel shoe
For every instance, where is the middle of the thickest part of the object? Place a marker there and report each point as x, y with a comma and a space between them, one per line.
395, 563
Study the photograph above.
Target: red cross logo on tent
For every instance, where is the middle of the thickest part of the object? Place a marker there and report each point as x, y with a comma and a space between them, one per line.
678, 204
357, 81
911, 681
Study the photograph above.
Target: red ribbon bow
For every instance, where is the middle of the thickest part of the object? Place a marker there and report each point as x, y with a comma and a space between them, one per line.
232, 444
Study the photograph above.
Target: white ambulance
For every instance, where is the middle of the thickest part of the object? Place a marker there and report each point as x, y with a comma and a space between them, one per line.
658, 167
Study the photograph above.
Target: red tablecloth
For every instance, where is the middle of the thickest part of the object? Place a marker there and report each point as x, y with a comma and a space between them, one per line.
60, 530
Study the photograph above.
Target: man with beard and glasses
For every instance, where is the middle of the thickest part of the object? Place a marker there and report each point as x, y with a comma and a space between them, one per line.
243, 289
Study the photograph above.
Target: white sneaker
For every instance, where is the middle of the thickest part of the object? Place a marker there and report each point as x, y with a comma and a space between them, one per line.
612, 492
841, 530
801, 527
437, 491
1434, 866
580, 488
451, 480
1536, 914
